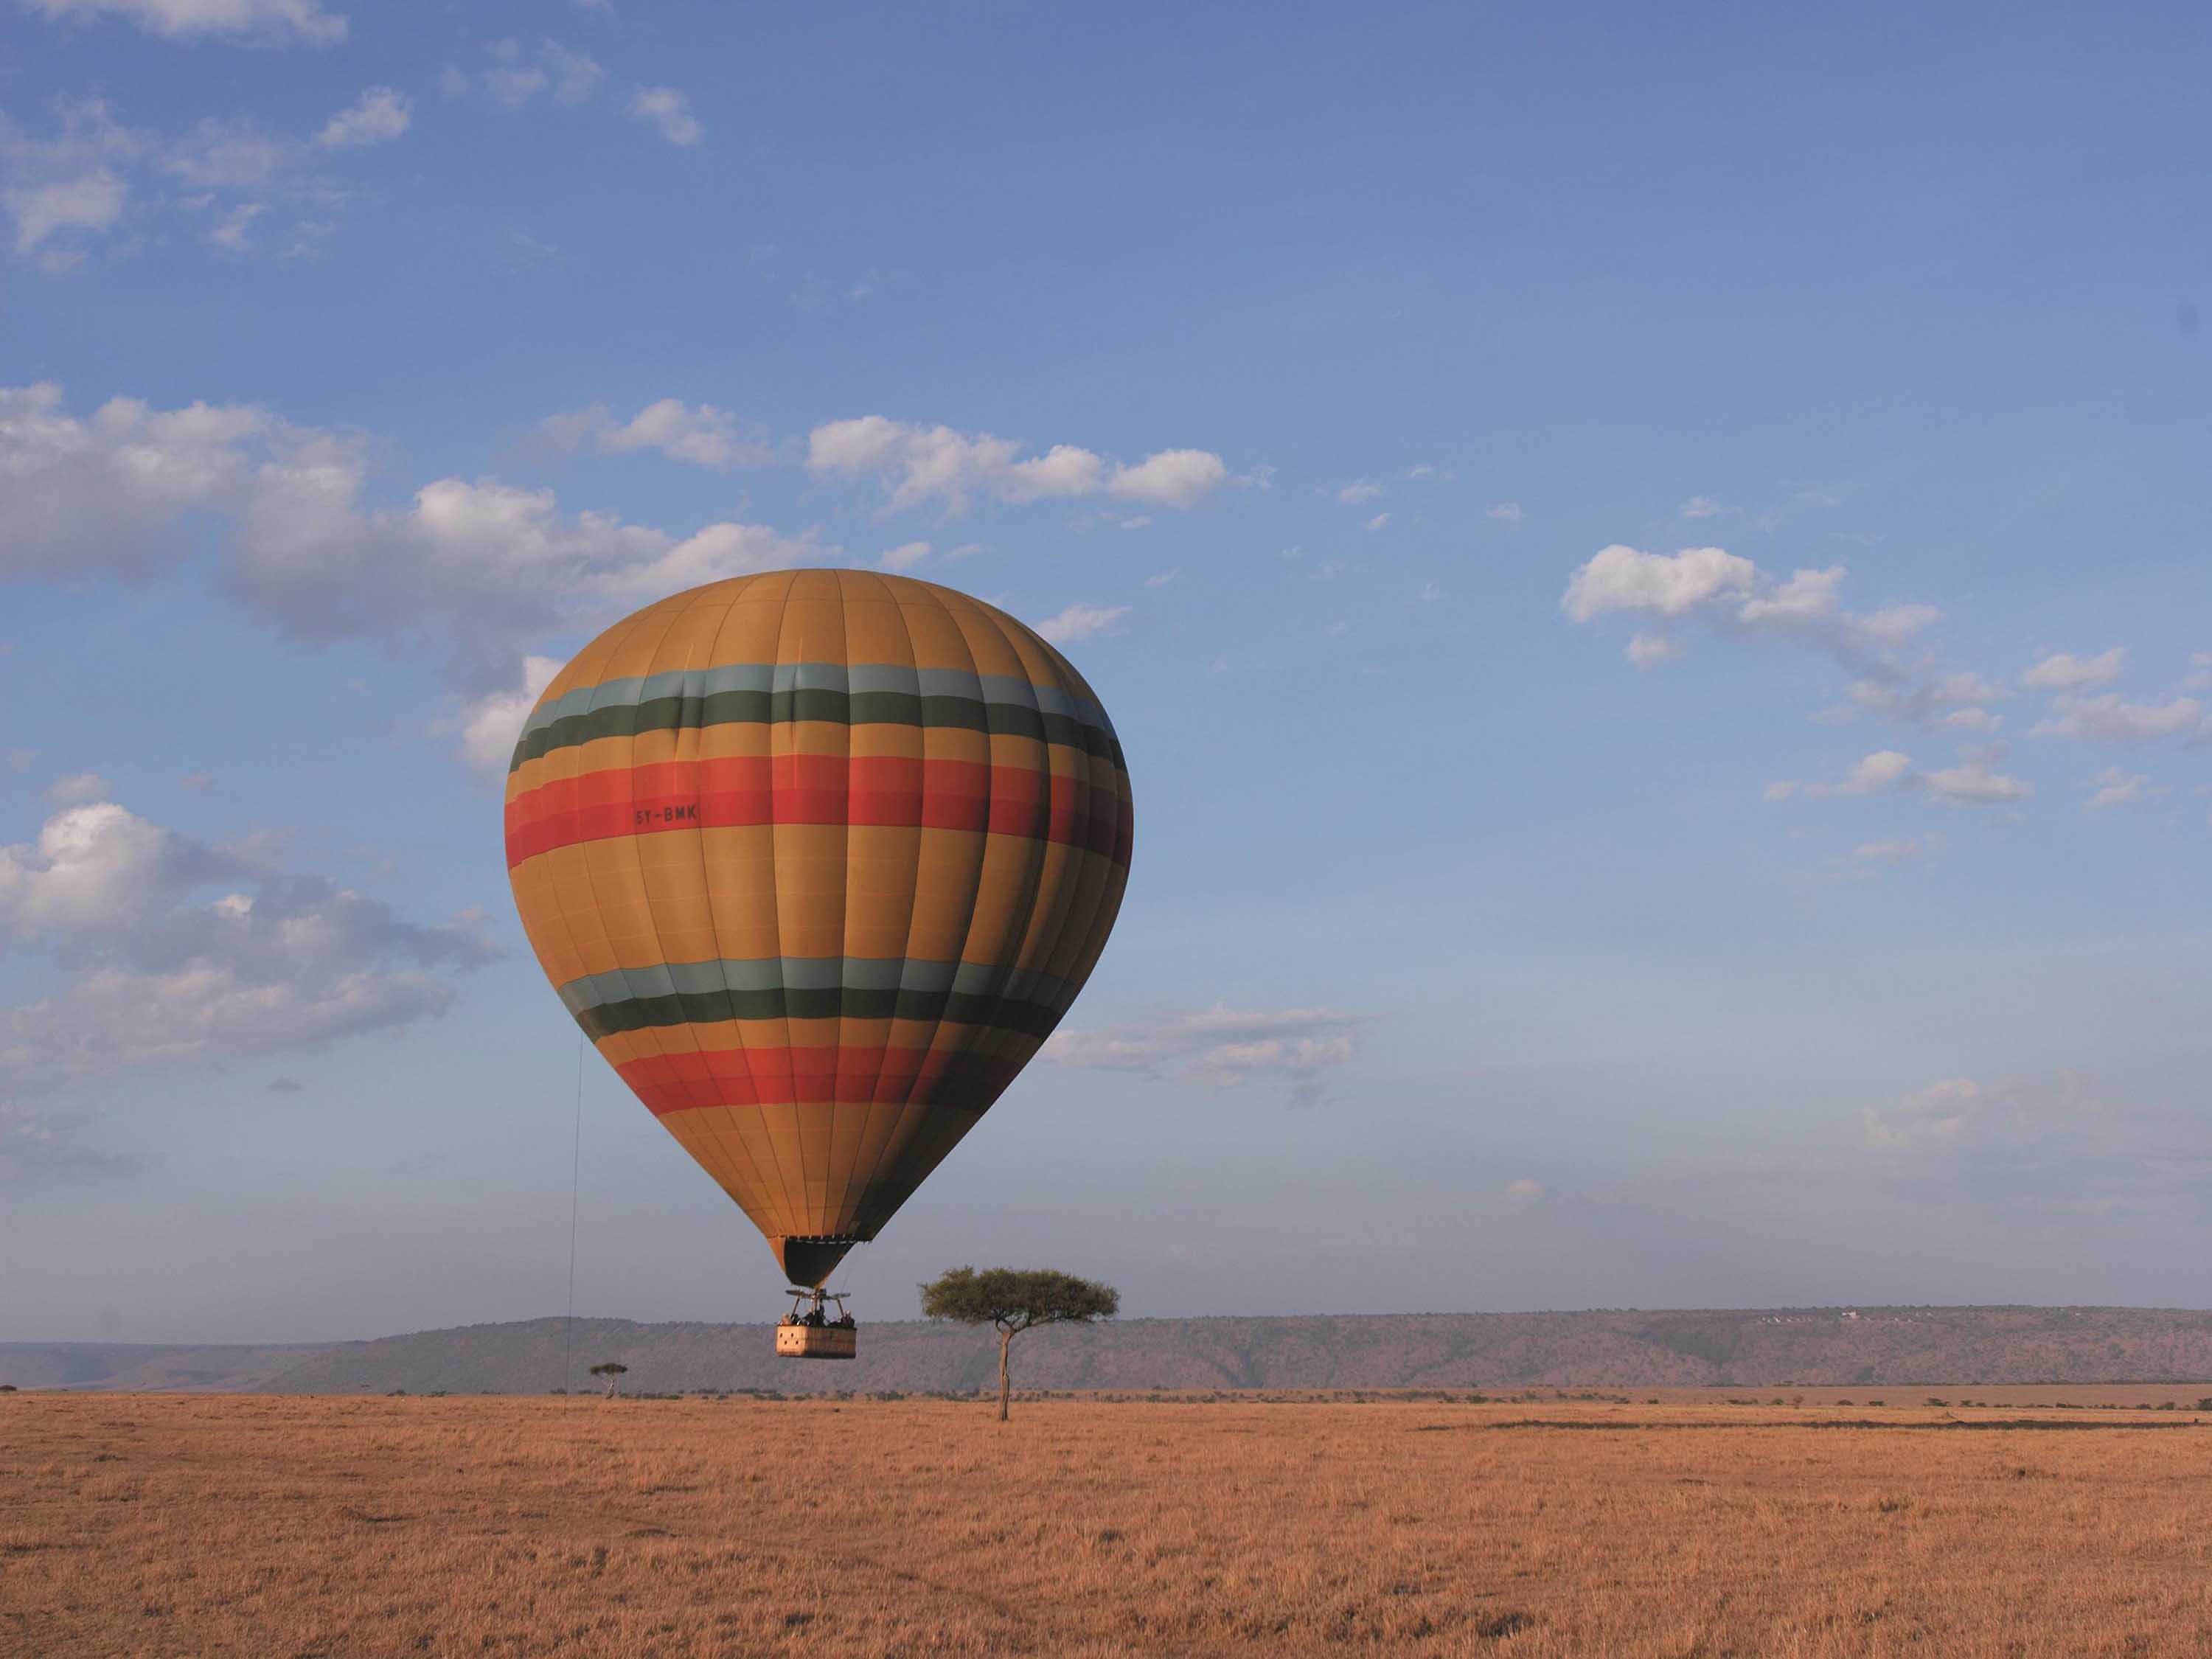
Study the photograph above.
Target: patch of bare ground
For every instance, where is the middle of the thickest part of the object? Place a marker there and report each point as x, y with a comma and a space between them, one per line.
148, 1525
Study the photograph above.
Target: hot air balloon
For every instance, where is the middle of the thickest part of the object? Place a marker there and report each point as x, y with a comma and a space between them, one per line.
817, 859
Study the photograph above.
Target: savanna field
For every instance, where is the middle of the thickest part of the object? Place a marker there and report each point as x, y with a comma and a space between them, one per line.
1675, 1524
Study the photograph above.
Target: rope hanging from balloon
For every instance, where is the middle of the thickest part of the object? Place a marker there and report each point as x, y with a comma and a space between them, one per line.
576, 1189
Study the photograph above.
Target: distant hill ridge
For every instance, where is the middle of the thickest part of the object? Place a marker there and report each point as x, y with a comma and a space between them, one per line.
1756, 1347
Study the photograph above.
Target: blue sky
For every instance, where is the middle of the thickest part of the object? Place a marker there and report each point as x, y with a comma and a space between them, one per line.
1651, 569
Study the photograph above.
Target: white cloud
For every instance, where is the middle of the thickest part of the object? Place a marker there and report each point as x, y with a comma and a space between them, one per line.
303, 19
230, 231
924, 462
156, 970
516, 77
1699, 507
511, 81
1807, 596
381, 115
88, 492
1505, 512
2200, 672
484, 569
670, 111
2108, 719
1713, 582
92, 202
1173, 478
1954, 701
1884, 769
1223, 1047
97, 179
904, 557
76, 789
1894, 625
701, 434
2066, 672
68, 186
1525, 1192
1430, 593
1359, 490
1080, 622
1378, 521
225, 155
1647, 651
1619, 578
493, 724
1064, 470
1162, 579
575, 77
2117, 789
1973, 783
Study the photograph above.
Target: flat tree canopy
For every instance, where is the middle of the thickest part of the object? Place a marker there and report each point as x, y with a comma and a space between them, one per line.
1016, 1300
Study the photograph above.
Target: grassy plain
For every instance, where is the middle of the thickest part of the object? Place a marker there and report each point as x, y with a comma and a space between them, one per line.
1670, 1523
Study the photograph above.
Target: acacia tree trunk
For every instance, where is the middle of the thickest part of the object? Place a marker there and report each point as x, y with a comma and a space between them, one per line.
1005, 1341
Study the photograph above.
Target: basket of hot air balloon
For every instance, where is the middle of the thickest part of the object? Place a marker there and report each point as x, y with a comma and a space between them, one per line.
817, 859
812, 1333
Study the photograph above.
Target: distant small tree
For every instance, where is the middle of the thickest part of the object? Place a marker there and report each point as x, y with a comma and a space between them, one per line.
613, 1372
1016, 1300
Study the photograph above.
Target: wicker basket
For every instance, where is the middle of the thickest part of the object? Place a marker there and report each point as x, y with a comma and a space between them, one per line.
816, 1341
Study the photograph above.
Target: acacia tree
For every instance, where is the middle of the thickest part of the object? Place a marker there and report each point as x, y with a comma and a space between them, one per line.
613, 1372
1016, 1300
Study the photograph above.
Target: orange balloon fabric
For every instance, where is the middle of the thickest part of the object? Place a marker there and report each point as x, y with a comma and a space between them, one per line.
817, 859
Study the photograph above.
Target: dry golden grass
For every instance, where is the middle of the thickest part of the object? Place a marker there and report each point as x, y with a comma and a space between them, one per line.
197, 1525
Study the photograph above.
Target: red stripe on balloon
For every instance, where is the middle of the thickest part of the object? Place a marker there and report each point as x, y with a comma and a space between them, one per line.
734, 790
846, 1075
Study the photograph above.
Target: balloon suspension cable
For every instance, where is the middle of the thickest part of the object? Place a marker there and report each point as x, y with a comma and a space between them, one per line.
575, 1191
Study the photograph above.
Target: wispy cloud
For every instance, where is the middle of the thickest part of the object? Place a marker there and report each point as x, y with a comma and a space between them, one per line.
170, 949
1297, 1048
485, 570
1080, 622
670, 111
303, 21
380, 116
2109, 718
921, 464
699, 434
2066, 672
96, 183
2117, 789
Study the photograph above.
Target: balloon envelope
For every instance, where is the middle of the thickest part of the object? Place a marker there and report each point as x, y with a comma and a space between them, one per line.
817, 859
